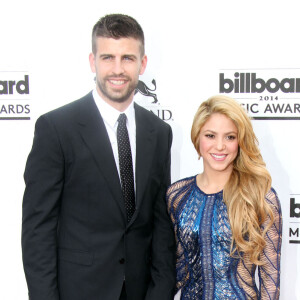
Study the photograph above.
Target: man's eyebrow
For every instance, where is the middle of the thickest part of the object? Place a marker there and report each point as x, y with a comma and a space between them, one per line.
104, 54
129, 55
112, 55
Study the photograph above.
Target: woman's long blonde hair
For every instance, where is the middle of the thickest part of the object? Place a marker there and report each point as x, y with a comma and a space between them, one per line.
249, 182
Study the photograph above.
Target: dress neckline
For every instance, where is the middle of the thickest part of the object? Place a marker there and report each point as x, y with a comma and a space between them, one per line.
202, 192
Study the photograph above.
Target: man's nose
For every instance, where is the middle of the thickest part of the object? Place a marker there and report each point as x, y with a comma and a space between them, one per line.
117, 67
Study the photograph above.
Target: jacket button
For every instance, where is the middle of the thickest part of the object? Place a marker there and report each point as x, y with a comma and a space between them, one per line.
122, 261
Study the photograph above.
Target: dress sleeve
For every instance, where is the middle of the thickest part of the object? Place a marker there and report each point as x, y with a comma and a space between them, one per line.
269, 272
174, 196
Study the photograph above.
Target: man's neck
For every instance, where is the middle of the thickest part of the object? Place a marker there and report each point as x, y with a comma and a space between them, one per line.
120, 106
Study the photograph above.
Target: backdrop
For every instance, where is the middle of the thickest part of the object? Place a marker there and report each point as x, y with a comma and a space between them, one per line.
245, 49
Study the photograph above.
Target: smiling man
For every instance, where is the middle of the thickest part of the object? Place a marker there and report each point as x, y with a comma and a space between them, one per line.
95, 224
117, 64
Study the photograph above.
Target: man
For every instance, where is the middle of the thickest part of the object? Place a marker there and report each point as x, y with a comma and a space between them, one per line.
95, 224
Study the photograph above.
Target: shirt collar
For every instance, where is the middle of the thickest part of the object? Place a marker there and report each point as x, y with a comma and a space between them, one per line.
109, 114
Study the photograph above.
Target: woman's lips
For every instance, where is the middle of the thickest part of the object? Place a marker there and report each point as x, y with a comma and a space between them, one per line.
219, 157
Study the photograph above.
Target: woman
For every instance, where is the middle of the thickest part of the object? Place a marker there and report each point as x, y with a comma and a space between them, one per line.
227, 220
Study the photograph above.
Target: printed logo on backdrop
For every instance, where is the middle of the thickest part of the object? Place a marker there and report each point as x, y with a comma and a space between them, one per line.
267, 94
146, 96
294, 221
14, 95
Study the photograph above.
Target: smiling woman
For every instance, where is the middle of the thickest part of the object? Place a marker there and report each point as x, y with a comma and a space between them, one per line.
227, 220
218, 145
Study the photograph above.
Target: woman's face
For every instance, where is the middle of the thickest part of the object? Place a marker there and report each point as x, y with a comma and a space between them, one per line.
218, 143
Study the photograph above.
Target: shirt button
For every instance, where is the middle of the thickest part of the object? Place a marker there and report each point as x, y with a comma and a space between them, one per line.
122, 261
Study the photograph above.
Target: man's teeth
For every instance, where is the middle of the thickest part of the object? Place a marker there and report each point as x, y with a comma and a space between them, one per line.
218, 156
117, 82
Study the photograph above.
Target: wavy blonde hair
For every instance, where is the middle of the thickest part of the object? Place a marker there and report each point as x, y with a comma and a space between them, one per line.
249, 182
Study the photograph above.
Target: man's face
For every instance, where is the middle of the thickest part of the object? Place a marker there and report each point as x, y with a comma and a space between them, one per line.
117, 64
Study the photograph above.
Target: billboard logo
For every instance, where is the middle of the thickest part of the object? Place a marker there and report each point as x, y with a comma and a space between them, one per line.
294, 226
8, 87
267, 94
14, 95
250, 83
294, 208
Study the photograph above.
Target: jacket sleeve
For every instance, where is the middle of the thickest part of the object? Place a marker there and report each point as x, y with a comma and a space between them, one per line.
43, 176
269, 272
163, 242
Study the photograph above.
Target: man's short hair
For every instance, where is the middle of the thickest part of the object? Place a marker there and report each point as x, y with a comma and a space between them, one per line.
118, 26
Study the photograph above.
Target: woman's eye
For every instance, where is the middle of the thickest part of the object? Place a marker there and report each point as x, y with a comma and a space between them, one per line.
231, 137
210, 136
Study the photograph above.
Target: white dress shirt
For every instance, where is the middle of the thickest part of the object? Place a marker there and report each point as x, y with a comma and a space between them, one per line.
110, 117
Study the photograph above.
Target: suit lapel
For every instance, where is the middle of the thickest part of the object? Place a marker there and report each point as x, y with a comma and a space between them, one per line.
94, 134
145, 145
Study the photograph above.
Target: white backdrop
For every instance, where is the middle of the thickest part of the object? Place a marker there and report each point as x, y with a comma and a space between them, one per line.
189, 43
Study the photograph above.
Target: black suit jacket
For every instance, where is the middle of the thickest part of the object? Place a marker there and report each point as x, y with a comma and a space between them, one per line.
75, 239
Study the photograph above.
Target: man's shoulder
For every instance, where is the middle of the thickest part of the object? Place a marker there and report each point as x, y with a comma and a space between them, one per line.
70, 108
66, 116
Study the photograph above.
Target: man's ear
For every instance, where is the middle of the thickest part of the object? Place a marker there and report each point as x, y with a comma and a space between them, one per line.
143, 64
92, 62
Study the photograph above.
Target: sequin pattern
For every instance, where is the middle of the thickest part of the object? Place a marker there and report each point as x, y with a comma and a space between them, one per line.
205, 270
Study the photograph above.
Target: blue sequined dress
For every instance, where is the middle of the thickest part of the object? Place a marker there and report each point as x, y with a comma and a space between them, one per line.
205, 270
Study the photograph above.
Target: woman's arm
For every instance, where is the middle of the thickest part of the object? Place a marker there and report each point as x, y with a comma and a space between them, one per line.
269, 272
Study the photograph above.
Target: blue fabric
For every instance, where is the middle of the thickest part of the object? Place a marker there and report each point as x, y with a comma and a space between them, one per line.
205, 269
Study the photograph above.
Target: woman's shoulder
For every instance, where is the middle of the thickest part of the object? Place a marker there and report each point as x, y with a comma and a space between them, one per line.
180, 185
177, 192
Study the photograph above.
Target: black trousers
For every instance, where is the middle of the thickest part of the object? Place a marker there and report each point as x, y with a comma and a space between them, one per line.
123, 295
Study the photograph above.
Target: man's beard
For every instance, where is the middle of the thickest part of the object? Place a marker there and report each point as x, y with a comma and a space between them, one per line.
115, 96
